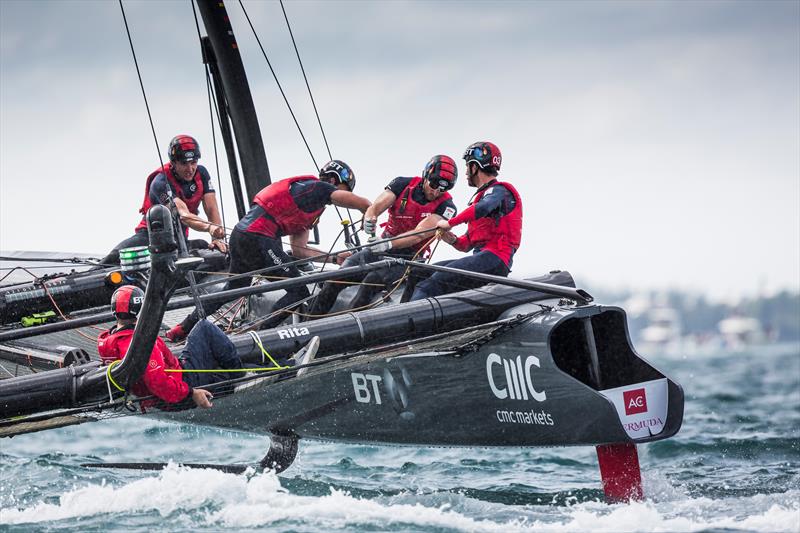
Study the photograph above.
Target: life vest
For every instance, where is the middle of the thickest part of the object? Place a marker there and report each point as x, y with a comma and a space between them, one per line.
192, 202
406, 213
502, 235
278, 204
113, 344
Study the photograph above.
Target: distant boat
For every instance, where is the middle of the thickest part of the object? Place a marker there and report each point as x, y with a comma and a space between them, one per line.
741, 332
662, 333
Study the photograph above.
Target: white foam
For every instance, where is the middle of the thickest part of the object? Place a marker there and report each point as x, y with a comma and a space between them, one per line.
174, 488
215, 499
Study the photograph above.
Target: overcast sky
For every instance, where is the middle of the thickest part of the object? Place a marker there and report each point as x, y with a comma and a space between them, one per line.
655, 144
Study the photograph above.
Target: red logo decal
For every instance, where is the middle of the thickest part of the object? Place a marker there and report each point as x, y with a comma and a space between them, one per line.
635, 401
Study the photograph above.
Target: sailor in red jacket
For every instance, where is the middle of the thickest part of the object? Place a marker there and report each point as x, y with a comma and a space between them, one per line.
494, 226
190, 186
414, 205
207, 348
290, 208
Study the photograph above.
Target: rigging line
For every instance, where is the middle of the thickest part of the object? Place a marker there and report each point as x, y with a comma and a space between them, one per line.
141, 83
209, 93
313, 104
75, 260
296, 262
310, 95
275, 76
211, 110
395, 285
7, 370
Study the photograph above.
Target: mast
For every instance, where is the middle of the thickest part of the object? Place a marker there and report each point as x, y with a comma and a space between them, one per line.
236, 92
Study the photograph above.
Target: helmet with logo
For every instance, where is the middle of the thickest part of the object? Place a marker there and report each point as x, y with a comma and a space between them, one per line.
339, 172
487, 155
441, 172
126, 302
183, 149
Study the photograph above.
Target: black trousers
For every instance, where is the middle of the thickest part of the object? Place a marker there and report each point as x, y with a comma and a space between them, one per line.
250, 251
374, 282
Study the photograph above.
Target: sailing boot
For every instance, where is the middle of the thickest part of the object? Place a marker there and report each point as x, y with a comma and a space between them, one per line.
176, 334
306, 355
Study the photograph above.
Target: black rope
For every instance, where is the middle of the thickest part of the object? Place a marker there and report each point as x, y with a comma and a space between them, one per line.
275, 76
141, 84
211, 109
305, 78
314, 105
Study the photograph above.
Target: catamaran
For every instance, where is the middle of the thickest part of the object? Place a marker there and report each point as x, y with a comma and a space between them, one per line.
514, 363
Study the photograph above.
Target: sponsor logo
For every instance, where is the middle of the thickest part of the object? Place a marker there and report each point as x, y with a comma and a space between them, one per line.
538, 418
641, 407
396, 386
366, 388
448, 213
635, 401
137, 299
277, 260
192, 187
518, 382
290, 333
640, 425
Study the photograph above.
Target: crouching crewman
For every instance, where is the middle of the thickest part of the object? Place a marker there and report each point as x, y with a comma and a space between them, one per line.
207, 347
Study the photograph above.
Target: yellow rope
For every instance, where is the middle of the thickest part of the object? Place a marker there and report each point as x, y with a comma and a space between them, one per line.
108, 374
215, 370
264, 351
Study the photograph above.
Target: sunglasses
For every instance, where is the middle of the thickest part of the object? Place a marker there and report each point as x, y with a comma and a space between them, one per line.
476, 153
440, 183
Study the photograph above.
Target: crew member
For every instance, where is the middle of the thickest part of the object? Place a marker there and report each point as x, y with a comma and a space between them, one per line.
494, 226
189, 185
289, 207
415, 205
207, 348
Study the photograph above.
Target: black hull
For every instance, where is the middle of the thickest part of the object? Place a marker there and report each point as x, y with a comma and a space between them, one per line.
80, 290
427, 397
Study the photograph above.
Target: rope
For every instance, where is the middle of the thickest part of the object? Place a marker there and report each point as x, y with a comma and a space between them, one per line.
141, 83
110, 379
296, 262
211, 112
275, 76
257, 341
305, 78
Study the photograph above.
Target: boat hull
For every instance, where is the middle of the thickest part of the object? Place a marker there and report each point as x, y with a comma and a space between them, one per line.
522, 387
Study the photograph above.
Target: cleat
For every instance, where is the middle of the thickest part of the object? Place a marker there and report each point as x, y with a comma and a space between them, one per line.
176, 334
306, 355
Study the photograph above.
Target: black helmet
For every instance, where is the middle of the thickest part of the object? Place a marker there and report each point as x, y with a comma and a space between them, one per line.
485, 154
340, 172
441, 172
183, 148
126, 302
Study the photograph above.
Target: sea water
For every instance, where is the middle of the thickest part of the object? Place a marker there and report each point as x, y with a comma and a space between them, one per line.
734, 466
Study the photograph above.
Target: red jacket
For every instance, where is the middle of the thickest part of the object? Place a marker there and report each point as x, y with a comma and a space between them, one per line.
405, 214
169, 386
192, 202
501, 237
277, 202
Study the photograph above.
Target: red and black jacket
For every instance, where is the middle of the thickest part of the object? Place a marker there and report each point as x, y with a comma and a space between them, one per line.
192, 202
282, 215
405, 213
169, 386
500, 236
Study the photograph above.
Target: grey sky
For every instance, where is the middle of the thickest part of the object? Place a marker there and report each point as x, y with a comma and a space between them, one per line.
656, 144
